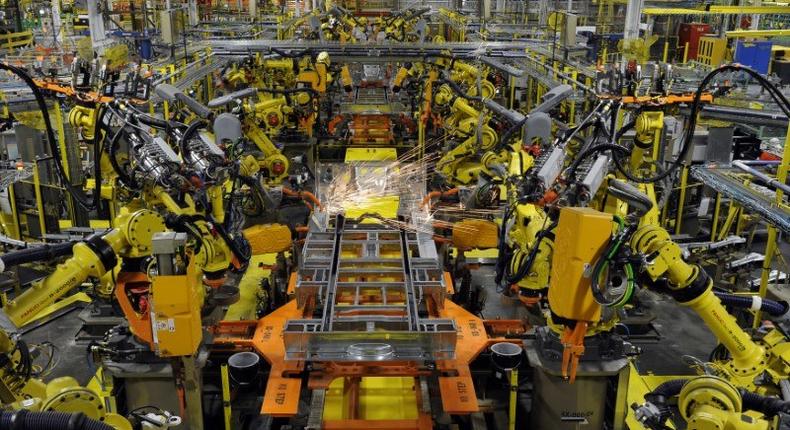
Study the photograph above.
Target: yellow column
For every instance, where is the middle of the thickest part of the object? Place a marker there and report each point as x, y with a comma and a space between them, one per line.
39, 201
226, 396
770, 248
681, 202
513, 392
716, 212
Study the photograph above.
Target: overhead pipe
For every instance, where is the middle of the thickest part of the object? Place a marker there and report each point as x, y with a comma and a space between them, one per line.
745, 165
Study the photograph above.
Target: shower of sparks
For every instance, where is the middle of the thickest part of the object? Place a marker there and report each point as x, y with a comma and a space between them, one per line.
362, 184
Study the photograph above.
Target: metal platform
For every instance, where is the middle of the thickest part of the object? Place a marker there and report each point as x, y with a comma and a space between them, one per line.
369, 286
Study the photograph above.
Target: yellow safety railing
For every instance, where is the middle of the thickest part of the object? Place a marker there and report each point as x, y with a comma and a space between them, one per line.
15, 40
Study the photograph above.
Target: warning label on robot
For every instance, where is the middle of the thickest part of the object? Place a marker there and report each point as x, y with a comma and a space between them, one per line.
166, 325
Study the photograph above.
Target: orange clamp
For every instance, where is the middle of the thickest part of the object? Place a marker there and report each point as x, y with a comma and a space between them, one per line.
572, 349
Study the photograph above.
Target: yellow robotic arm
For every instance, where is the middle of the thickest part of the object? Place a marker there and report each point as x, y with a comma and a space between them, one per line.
274, 162
98, 255
691, 286
469, 74
93, 257
712, 403
467, 123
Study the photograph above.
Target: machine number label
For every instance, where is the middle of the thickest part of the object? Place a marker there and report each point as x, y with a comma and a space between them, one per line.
578, 417
463, 391
474, 330
267, 332
281, 394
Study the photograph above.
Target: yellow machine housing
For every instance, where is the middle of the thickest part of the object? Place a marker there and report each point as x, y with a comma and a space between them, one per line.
176, 322
581, 235
530, 220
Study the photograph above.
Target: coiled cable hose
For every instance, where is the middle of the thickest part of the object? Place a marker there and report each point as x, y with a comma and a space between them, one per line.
662, 393
35, 253
26, 420
769, 406
771, 307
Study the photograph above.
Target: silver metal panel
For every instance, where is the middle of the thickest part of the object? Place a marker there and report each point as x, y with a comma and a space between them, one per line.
552, 168
596, 174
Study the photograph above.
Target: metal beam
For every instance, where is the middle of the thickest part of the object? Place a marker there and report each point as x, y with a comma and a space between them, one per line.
719, 10
373, 53
632, 18
742, 116
757, 33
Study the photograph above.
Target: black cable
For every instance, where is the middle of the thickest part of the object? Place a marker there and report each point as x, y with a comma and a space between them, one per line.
191, 130
126, 179
25, 365
458, 90
502, 255
593, 150
613, 124
98, 148
510, 132
778, 97
527, 264
37, 253
28, 420
771, 307
75, 192
156, 408
770, 406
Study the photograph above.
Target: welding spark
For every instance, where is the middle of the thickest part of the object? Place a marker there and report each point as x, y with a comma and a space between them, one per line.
359, 186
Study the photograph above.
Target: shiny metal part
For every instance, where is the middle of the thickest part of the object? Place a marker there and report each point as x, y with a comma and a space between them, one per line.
727, 241
550, 167
369, 286
752, 257
595, 176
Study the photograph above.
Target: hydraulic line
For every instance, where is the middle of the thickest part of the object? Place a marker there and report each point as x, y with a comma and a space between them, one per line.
669, 388
112, 152
770, 406
191, 130
526, 265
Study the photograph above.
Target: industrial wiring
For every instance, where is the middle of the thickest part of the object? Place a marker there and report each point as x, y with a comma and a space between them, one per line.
51, 140
777, 95
607, 261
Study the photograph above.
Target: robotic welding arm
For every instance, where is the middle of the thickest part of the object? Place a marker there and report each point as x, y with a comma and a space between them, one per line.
691, 286
94, 257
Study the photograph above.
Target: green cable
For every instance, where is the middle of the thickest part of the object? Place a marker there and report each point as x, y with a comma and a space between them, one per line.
628, 270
